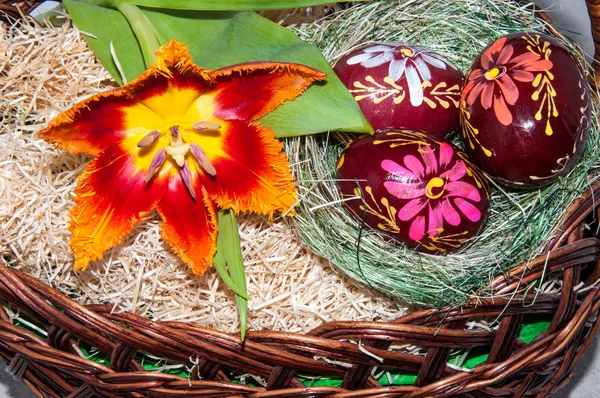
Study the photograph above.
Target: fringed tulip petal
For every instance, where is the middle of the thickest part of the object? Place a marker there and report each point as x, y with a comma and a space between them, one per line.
92, 125
173, 83
168, 97
161, 95
189, 225
250, 91
254, 173
110, 198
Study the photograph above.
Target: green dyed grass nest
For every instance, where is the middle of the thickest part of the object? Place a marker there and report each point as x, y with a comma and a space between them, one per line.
520, 223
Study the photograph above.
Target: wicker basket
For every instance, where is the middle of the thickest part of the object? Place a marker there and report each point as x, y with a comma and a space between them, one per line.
56, 367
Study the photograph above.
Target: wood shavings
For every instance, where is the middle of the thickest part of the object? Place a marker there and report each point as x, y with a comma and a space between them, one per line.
44, 71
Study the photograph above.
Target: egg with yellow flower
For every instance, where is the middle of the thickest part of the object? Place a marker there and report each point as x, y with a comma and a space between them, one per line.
525, 110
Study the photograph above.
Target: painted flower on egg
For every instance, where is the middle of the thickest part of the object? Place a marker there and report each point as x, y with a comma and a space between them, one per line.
421, 191
399, 85
434, 190
494, 83
409, 62
180, 139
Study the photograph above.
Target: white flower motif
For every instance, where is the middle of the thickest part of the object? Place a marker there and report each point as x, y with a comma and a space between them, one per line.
410, 62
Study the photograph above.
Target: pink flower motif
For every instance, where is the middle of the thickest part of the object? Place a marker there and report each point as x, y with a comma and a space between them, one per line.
493, 84
433, 189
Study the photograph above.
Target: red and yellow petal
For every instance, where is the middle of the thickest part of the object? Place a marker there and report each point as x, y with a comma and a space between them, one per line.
190, 226
111, 197
174, 56
253, 174
169, 98
249, 91
91, 125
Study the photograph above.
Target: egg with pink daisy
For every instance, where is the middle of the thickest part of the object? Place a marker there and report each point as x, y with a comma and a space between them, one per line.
422, 191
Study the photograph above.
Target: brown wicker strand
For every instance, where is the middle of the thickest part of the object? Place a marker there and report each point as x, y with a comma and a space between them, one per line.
13, 10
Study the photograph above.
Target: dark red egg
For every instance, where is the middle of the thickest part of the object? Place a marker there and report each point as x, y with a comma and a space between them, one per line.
525, 110
421, 191
403, 86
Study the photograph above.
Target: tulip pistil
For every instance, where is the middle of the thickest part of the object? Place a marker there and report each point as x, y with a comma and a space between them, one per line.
178, 150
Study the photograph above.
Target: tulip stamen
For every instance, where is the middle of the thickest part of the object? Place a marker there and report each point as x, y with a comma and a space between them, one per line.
203, 160
149, 139
204, 126
155, 165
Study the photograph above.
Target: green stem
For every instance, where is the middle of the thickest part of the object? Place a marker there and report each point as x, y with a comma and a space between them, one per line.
228, 246
220, 264
213, 5
143, 29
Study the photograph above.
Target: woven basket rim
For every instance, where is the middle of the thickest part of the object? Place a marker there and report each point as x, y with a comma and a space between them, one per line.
55, 367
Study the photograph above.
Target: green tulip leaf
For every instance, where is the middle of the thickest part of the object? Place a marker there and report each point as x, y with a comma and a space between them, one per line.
229, 253
114, 29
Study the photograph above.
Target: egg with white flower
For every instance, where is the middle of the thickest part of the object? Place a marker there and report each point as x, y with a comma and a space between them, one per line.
403, 86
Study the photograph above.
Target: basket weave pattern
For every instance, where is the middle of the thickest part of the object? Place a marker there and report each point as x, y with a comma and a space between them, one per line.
56, 367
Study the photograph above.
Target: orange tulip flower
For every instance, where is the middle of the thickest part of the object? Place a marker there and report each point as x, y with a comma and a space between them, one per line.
181, 139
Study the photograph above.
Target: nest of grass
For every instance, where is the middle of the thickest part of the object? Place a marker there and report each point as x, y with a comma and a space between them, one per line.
520, 223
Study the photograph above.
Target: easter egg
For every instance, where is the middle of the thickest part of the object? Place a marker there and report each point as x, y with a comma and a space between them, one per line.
525, 110
422, 191
398, 85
